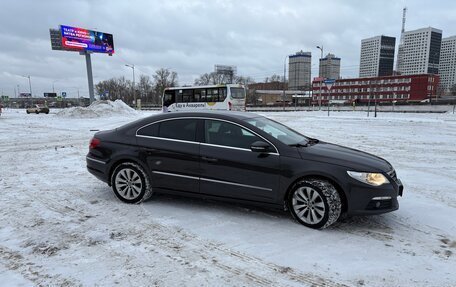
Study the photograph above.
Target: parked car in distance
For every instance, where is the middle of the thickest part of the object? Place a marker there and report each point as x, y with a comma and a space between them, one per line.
38, 109
242, 157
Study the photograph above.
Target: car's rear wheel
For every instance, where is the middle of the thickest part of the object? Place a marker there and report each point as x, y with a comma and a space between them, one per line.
37, 112
28, 112
130, 183
315, 203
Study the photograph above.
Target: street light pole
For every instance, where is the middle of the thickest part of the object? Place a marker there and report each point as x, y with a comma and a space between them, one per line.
284, 77
53, 87
30, 84
319, 75
134, 94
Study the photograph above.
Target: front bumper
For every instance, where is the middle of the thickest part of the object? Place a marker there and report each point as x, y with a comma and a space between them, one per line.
366, 200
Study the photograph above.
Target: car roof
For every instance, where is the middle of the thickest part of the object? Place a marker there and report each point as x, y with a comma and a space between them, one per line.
212, 114
226, 115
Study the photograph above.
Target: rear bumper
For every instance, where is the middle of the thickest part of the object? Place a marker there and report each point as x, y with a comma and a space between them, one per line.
366, 200
98, 168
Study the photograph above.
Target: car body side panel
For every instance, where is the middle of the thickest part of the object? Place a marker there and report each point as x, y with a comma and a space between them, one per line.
239, 174
172, 164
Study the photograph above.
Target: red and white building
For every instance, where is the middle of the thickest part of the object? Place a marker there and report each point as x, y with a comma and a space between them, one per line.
406, 88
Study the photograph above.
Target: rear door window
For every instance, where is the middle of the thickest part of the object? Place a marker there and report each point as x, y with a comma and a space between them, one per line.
180, 129
150, 130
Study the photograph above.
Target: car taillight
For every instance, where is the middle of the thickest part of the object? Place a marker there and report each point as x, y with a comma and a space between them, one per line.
230, 105
94, 142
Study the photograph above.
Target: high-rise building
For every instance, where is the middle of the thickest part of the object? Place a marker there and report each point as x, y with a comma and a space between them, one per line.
419, 51
447, 67
377, 56
299, 71
329, 67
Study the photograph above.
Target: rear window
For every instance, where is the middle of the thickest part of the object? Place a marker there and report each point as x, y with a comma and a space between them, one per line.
237, 93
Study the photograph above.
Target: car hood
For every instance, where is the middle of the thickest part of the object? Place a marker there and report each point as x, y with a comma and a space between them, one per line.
344, 156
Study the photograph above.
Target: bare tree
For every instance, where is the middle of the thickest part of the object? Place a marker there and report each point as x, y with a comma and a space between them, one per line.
453, 90
115, 88
149, 91
211, 79
163, 78
218, 79
146, 89
273, 78
203, 80
243, 80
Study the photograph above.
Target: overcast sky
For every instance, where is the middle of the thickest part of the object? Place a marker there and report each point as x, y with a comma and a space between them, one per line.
190, 37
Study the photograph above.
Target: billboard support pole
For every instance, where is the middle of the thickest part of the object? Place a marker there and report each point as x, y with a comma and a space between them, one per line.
89, 74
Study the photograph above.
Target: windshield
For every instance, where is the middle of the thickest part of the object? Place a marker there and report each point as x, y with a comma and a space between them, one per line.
237, 93
278, 131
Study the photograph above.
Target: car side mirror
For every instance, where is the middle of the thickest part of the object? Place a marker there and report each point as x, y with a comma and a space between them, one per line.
260, 146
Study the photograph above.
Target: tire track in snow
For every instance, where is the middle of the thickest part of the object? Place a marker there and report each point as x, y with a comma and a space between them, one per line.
179, 246
13, 260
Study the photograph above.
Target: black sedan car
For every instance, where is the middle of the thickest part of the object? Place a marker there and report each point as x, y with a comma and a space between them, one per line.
242, 157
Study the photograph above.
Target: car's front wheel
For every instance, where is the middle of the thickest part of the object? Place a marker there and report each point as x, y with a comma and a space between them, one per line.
315, 203
130, 183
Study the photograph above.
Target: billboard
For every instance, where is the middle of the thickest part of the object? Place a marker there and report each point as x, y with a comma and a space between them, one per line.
80, 39
25, 95
50, 95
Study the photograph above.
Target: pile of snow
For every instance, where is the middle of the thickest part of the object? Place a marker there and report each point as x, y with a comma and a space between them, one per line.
98, 109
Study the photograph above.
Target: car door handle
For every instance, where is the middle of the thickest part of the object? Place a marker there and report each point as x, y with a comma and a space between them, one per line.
209, 159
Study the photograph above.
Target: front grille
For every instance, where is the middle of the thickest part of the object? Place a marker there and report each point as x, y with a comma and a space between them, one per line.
379, 204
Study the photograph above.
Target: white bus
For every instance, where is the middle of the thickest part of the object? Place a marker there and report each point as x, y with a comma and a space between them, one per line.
215, 97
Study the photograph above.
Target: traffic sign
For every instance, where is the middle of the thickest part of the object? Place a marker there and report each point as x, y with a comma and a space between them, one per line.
59, 98
329, 83
5, 98
64, 94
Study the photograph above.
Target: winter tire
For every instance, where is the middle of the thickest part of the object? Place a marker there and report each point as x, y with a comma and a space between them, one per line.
315, 203
37, 112
130, 183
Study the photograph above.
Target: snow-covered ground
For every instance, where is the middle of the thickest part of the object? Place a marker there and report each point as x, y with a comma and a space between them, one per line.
61, 226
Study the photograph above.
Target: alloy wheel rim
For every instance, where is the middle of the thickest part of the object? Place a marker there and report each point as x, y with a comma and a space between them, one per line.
128, 183
308, 205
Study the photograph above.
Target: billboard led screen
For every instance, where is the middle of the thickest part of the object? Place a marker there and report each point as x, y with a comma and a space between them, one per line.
82, 39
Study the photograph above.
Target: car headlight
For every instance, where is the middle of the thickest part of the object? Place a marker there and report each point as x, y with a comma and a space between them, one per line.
371, 178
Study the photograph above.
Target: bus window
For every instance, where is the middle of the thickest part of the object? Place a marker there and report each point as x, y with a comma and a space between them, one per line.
203, 95
209, 95
212, 95
187, 96
168, 98
179, 96
222, 94
197, 95
237, 93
